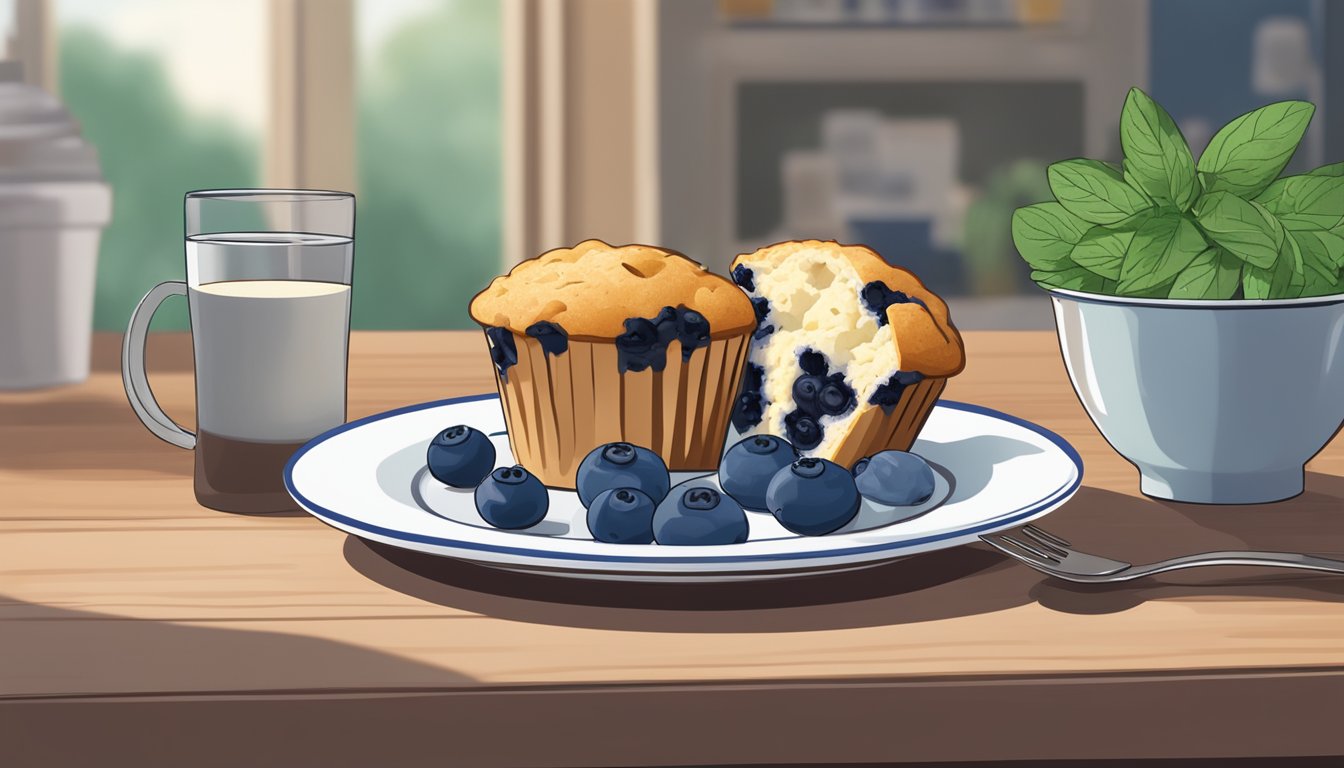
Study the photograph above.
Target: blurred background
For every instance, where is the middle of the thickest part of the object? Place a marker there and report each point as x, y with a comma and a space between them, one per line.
479, 132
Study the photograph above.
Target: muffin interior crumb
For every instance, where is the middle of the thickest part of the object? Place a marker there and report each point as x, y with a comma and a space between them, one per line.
813, 304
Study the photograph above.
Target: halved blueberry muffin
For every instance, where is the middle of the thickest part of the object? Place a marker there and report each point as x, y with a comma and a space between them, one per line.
849, 355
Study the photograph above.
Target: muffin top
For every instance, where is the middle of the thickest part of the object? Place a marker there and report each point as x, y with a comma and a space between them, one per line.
591, 290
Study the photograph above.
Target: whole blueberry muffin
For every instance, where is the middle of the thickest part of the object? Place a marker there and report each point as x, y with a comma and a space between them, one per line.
851, 353
600, 343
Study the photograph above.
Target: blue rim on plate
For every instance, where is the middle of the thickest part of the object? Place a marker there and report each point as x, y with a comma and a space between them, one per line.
1001, 521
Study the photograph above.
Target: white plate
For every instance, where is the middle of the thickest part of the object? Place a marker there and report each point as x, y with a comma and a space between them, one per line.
368, 478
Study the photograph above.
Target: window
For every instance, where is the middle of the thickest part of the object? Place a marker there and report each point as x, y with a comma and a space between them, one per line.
429, 160
190, 94
144, 78
709, 126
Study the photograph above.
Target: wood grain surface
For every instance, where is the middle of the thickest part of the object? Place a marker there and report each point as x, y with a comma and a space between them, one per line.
119, 594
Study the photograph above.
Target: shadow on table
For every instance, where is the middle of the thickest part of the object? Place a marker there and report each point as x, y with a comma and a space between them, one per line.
165, 352
99, 653
937, 585
1142, 529
927, 587
102, 440
46, 417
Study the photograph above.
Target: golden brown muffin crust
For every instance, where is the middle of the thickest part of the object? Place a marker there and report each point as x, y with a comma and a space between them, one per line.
591, 289
925, 337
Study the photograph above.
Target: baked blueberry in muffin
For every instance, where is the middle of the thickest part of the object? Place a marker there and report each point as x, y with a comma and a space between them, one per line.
856, 354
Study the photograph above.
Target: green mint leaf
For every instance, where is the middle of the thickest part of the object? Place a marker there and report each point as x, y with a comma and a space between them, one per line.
1255, 281
1134, 185
1290, 251
1160, 250
1214, 274
1322, 252
1102, 250
1334, 169
1333, 242
1045, 234
1323, 257
1243, 227
1317, 282
1289, 276
1306, 202
1280, 281
1074, 279
1250, 152
1157, 158
1315, 286
1094, 191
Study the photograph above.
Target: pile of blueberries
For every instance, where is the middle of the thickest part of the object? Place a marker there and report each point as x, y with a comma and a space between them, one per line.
630, 499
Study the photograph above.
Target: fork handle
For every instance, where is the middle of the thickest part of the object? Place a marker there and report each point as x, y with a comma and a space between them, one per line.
1278, 559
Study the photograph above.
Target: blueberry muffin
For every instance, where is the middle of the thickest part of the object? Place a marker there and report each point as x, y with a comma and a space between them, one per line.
850, 355
599, 343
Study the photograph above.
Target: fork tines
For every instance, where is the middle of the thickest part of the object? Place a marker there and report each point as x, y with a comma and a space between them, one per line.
1015, 548
1038, 534
1047, 542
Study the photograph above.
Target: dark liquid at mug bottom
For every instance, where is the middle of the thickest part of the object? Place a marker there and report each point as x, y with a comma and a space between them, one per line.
242, 476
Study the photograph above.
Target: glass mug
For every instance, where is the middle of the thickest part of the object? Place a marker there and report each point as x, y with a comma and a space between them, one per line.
268, 290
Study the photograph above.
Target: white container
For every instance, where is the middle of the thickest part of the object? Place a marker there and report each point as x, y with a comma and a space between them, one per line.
1214, 402
53, 207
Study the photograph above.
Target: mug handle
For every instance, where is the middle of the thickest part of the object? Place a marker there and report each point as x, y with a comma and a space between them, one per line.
133, 368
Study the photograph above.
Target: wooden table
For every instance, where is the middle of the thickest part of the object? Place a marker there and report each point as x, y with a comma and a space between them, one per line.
135, 624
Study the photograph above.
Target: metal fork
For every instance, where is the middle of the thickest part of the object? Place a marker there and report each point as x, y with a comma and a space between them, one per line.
1054, 556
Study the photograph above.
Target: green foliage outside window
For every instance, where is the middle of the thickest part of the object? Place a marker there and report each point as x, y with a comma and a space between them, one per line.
152, 152
429, 168
430, 175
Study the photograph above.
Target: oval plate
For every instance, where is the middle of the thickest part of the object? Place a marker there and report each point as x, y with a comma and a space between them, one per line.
368, 478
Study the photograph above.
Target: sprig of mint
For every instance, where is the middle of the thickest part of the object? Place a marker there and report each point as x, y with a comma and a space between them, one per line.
1165, 226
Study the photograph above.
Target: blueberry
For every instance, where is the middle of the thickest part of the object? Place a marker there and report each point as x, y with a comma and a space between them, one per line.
503, 350
644, 343
743, 276
895, 478
806, 389
692, 331
460, 456
750, 406
748, 411
813, 362
803, 430
876, 296
622, 465
665, 322
747, 467
761, 305
622, 516
835, 397
639, 347
553, 339
512, 497
813, 497
699, 516
888, 393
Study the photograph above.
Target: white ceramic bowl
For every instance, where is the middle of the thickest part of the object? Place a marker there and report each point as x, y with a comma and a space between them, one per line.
1217, 402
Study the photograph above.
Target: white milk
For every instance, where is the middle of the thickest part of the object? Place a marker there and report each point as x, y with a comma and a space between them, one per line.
270, 358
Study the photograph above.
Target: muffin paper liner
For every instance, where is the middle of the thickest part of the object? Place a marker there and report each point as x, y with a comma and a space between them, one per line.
560, 407
877, 430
